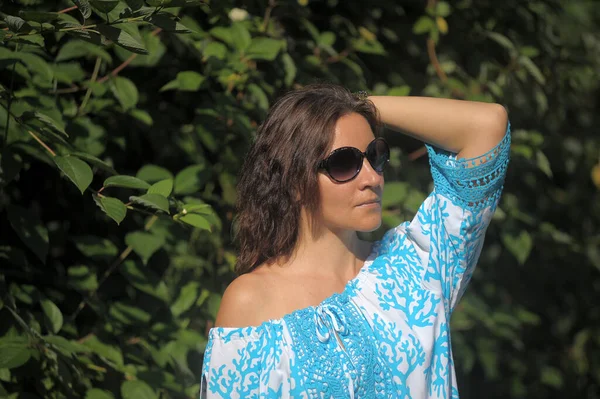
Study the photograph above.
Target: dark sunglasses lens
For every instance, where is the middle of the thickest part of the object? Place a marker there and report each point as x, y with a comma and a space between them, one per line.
344, 164
378, 154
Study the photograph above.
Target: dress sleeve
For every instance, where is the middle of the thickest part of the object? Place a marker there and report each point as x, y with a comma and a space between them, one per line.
244, 363
449, 228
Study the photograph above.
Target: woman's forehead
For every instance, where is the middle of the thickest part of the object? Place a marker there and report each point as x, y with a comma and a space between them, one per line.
352, 130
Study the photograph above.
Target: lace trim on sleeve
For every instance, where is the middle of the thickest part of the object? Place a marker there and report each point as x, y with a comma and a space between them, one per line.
473, 183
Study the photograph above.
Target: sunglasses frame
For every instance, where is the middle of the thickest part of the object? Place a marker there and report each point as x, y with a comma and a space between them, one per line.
324, 164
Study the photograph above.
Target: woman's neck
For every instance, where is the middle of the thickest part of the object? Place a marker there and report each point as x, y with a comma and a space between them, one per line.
333, 254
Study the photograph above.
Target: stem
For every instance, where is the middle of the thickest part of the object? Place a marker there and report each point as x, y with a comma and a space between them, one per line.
24, 325
124, 64
267, 16
67, 10
89, 90
111, 269
42, 143
10, 97
413, 156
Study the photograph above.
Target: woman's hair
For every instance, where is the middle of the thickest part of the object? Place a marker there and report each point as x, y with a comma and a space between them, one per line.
279, 175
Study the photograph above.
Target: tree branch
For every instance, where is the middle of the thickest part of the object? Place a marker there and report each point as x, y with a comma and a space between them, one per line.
110, 270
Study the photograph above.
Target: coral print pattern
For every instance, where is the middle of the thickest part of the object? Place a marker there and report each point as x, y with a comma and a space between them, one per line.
387, 334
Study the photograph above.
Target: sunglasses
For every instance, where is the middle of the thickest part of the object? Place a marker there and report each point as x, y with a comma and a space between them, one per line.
345, 163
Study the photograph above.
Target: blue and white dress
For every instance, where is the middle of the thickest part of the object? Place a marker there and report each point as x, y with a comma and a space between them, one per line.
387, 334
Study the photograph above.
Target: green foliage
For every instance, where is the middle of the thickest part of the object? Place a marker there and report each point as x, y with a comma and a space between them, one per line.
147, 108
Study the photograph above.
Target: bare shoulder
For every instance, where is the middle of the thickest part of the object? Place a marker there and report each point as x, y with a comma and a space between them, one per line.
243, 301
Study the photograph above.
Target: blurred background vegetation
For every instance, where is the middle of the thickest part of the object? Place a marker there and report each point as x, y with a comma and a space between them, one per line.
123, 127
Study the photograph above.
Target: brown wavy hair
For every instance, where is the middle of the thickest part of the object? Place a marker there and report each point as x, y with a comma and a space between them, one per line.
279, 175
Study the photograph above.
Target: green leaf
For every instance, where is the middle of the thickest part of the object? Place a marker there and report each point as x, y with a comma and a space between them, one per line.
145, 280
53, 315
240, 36
46, 120
552, 377
520, 246
129, 314
122, 38
264, 48
76, 170
144, 244
153, 201
113, 207
368, 46
142, 116
187, 297
30, 230
84, 8
16, 24
137, 390
135, 4
196, 220
442, 9
395, 194
153, 173
203, 209
110, 352
95, 247
185, 81
399, 91
159, 3
529, 51
11, 164
77, 48
290, 69
168, 22
532, 69
104, 6
543, 163
501, 40
94, 161
215, 49
39, 16
191, 179
4, 373
125, 91
126, 182
66, 346
14, 352
84, 34
82, 278
96, 393
423, 25
163, 187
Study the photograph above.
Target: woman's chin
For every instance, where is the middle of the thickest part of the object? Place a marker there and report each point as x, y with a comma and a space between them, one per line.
367, 226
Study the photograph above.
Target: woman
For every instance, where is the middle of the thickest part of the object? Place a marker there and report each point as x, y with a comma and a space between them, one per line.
318, 313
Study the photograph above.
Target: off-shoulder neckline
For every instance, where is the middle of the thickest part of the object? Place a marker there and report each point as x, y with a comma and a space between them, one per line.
349, 291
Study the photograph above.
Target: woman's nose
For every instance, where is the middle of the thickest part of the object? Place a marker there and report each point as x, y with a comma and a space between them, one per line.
368, 176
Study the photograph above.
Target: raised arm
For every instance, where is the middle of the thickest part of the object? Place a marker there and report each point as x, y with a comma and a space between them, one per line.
466, 128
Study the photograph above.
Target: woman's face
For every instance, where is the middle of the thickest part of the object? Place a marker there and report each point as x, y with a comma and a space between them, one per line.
356, 204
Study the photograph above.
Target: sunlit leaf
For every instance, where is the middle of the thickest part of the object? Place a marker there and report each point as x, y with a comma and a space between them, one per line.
152, 200
76, 170
53, 315
126, 182
144, 244
163, 187
113, 207
14, 352
137, 389
122, 38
